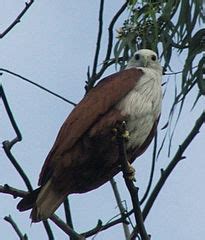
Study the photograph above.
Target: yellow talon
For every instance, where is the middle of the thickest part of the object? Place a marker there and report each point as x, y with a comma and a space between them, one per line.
126, 135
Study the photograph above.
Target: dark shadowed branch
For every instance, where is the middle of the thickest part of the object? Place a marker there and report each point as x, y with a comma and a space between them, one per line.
12, 191
10, 220
68, 212
18, 18
48, 230
129, 183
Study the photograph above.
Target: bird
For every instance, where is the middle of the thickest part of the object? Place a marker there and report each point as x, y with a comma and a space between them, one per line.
85, 154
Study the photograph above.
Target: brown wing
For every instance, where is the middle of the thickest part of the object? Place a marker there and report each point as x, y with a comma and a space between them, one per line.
91, 108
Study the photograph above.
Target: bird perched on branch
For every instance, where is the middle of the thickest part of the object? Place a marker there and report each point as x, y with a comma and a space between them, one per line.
85, 154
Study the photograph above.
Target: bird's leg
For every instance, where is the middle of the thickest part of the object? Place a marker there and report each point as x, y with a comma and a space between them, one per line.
122, 134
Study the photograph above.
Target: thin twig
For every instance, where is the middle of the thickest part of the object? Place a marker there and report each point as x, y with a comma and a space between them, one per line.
6, 147
37, 85
151, 172
121, 207
10, 220
18, 18
176, 159
18, 137
110, 40
66, 229
68, 212
106, 63
99, 37
100, 227
110, 30
48, 230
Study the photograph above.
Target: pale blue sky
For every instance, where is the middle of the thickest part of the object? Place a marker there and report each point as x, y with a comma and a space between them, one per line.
53, 45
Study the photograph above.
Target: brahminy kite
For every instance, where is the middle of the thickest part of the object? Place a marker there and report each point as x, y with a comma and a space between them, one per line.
85, 155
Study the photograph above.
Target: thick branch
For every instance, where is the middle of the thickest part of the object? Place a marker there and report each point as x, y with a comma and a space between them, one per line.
18, 18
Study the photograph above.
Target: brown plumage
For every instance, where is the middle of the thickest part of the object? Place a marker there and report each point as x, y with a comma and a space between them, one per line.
84, 155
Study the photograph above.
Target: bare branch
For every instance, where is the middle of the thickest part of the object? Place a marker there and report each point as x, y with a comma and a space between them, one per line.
18, 18
12, 191
178, 157
151, 172
106, 63
6, 147
99, 37
68, 212
48, 230
66, 229
129, 183
100, 227
121, 207
63, 226
37, 85
15, 227
18, 137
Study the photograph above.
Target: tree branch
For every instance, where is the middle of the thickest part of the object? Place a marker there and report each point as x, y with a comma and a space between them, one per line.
37, 85
129, 182
7, 150
66, 229
121, 208
48, 230
151, 172
177, 158
18, 137
12, 191
15, 227
18, 18
99, 37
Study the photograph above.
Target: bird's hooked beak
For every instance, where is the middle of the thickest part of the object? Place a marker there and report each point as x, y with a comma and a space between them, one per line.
144, 60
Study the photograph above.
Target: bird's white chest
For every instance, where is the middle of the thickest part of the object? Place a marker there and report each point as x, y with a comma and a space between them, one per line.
142, 106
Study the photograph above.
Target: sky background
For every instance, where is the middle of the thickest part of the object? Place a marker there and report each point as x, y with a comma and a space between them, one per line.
53, 46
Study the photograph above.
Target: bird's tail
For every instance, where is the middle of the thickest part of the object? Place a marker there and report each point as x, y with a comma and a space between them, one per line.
46, 202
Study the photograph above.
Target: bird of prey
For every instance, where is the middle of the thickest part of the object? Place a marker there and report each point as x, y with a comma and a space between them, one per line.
85, 155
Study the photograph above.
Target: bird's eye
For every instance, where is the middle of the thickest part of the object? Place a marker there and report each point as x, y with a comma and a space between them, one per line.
154, 58
137, 56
